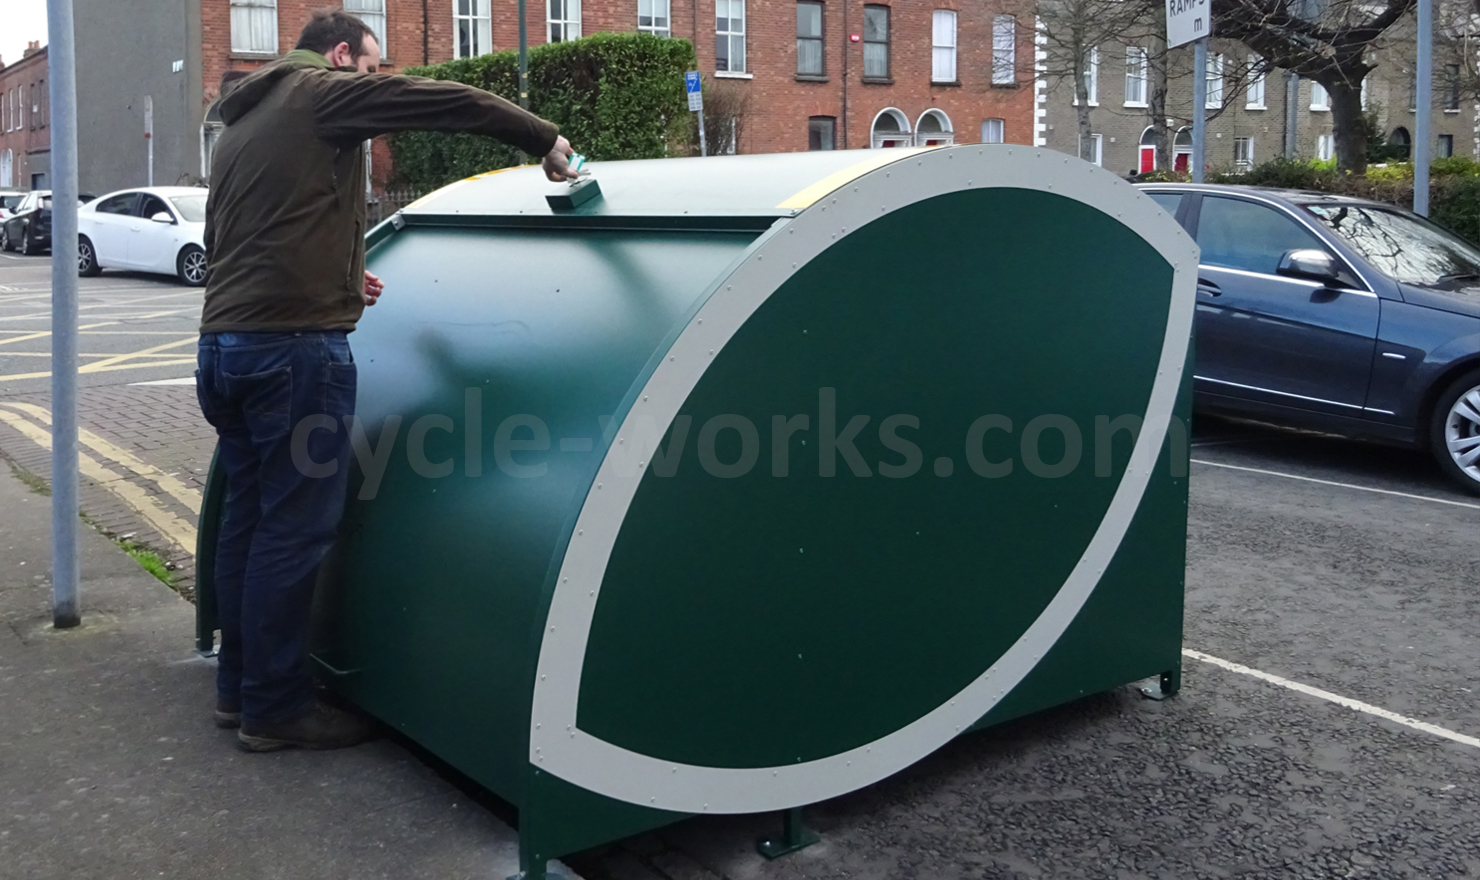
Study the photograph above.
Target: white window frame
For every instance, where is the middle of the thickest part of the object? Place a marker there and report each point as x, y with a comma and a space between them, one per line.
731, 35
1365, 80
652, 7
1004, 50
372, 13
1091, 79
1214, 99
569, 25
1320, 100
7, 167
1098, 148
1247, 161
243, 15
479, 20
943, 46
996, 127
807, 42
1137, 70
1254, 97
1325, 147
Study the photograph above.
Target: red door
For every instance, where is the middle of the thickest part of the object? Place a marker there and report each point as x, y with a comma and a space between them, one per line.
1180, 162
1148, 159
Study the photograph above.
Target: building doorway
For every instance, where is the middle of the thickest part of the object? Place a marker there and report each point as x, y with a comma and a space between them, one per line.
891, 129
1148, 151
1401, 143
1182, 150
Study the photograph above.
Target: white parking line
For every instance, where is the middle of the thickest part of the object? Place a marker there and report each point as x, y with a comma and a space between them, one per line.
1347, 702
1234, 467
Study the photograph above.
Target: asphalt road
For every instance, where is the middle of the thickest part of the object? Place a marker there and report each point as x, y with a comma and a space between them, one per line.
133, 327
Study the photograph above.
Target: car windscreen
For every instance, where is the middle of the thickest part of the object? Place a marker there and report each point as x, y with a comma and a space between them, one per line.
1404, 247
9, 203
191, 207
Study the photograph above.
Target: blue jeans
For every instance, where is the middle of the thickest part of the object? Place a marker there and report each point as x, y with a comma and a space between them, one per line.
255, 389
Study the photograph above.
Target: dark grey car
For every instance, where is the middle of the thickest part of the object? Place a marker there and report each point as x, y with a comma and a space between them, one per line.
1337, 314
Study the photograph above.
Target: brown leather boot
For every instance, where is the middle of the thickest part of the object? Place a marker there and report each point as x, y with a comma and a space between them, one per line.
321, 727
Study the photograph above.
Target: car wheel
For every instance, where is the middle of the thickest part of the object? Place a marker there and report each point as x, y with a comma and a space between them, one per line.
4, 238
87, 259
27, 247
1454, 431
191, 266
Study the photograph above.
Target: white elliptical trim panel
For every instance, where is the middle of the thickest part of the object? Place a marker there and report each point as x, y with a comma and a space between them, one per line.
559, 747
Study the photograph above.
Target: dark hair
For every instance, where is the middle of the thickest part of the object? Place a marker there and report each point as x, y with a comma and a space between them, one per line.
328, 28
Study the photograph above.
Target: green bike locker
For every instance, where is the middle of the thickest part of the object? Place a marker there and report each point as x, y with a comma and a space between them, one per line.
754, 480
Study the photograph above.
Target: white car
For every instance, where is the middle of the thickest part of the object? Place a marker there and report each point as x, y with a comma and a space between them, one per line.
10, 199
151, 229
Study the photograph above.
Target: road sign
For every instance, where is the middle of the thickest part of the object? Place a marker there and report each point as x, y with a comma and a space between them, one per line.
693, 86
1188, 20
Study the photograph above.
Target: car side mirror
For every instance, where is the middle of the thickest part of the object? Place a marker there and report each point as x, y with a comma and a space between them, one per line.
1311, 264
163, 217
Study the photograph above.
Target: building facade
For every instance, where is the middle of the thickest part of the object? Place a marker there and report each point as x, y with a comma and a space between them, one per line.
814, 74
1254, 115
139, 96
25, 122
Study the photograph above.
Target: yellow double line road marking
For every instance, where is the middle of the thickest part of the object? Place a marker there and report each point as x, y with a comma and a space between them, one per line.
148, 506
127, 361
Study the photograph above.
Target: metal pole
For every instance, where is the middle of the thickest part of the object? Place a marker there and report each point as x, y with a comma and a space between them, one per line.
523, 58
1423, 107
703, 144
1292, 115
66, 610
1199, 108
149, 132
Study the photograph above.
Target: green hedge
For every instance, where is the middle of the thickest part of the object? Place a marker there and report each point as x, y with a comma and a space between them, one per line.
1454, 191
614, 96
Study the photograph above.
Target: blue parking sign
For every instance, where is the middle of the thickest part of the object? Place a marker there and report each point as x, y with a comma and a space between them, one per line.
693, 86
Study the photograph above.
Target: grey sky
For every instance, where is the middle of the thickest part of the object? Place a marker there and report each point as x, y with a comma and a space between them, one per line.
24, 21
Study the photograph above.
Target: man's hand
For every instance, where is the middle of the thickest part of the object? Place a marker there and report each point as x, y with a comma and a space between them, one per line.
557, 162
374, 287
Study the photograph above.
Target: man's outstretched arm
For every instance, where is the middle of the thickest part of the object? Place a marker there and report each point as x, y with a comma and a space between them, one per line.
352, 107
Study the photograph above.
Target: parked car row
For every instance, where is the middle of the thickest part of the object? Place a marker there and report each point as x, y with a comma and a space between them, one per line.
28, 226
151, 229
1336, 314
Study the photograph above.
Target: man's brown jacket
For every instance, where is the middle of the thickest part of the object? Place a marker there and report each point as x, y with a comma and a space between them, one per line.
285, 220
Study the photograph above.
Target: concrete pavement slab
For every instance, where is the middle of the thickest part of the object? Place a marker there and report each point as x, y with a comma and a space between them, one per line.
111, 768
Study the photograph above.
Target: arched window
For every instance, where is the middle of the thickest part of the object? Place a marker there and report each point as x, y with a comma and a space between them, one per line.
891, 128
7, 168
934, 129
1182, 149
1148, 151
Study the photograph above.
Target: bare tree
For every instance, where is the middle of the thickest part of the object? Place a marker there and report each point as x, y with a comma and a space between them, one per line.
1323, 40
1074, 30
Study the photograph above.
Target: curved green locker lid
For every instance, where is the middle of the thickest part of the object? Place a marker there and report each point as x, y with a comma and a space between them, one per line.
765, 187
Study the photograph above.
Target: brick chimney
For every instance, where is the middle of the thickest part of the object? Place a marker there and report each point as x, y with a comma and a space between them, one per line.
32, 48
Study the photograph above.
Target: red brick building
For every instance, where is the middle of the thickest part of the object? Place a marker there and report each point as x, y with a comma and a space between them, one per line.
25, 132
818, 74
